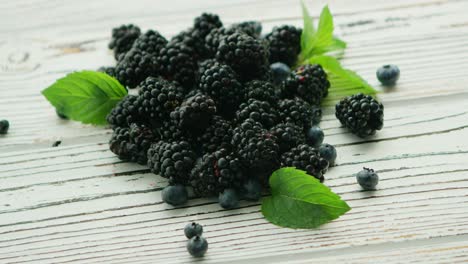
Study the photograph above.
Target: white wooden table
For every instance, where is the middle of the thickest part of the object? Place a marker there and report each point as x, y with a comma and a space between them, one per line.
79, 203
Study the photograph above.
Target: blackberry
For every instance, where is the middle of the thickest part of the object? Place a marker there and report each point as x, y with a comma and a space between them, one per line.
174, 194
197, 246
207, 22
193, 229
193, 39
4, 126
316, 115
261, 90
124, 113
217, 171
289, 135
361, 114
251, 28
296, 111
228, 199
220, 83
217, 135
388, 74
108, 70
170, 131
246, 55
131, 144
172, 160
368, 179
141, 136
177, 61
308, 82
158, 98
213, 38
195, 113
257, 149
259, 111
123, 38
307, 158
285, 44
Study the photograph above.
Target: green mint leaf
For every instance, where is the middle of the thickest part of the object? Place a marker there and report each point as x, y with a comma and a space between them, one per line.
343, 82
308, 32
324, 36
299, 200
85, 96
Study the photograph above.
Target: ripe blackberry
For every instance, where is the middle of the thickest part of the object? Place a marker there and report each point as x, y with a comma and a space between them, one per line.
195, 113
259, 111
220, 83
361, 114
217, 171
251, 28
296, 111
131, 144
177, 61
261, 90
289, 135
308, 82
205, 65
107, 70
123, 38
157, 99
207, 22
246, 55
285, 44
172, 160
213, 38
307, 158
170, 131
257, 149
216, 136
124, 113
193, 39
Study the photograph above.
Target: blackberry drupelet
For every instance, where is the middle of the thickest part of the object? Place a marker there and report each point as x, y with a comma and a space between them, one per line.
296, 111
172, 160
259, 111
157, 99
261, 90
361, 114
308, 82
131, 144
195, 113
217, 171
125, 112
220, 83
216, 136
285, 44
307, 158
123, 38
289, 135
193, 39
177, 61
107, 70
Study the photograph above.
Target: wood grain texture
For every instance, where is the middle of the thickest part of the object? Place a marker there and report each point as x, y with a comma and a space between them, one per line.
77, 203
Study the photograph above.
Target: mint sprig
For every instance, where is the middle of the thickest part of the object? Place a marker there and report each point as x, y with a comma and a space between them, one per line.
299, 200
85, 96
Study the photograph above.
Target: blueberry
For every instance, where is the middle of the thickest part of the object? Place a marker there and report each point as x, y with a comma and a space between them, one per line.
197, 246
328, 152
368, 179
4, 125
314, 136
388, 74
280, 72
252, 190
316, 115
228, 199
175, 195
193, 229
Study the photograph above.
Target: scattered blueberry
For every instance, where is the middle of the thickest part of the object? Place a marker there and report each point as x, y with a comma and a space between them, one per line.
252, 190
368, 179
388, 74
197, 246
228, 199
314, 136
316, 115
328, 152
193, 229
4, 125
175, 195
61, 115
280, 72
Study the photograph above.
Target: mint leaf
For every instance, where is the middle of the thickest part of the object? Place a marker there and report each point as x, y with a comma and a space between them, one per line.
299, 200
85, 96
308, 32
343, 82
324, 36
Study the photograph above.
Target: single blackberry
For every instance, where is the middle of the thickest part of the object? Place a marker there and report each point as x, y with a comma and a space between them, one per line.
246, 55
124, 113
361, 114
207, 22
131, 144
257, 149
217, 171
220, 83
308, 82
259, 111
216, 136
120, 144
195, 113
289, 135
177, 61
107, 70
296, 111
172, 160
157, 99
251, 28
285, 44
123, 38
151, 42
307, 158
261, 90
193, 39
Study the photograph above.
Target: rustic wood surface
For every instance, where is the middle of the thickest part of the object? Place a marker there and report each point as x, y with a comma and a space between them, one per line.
79, 203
